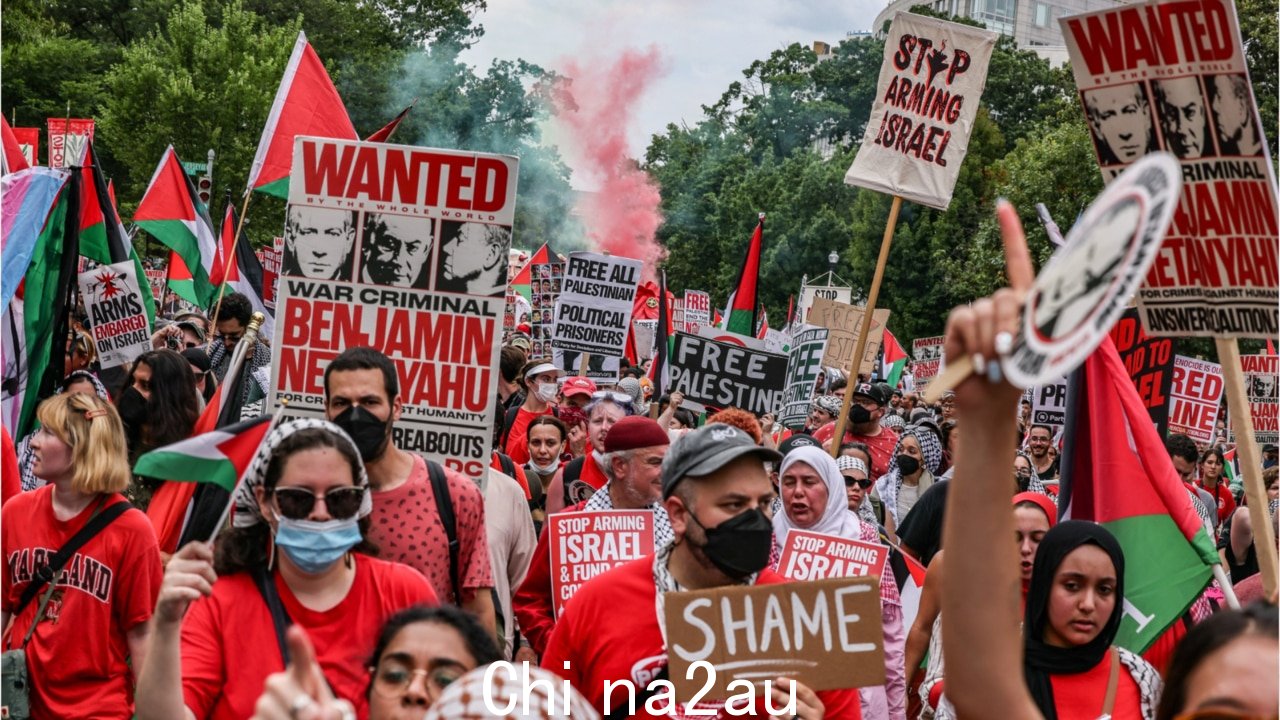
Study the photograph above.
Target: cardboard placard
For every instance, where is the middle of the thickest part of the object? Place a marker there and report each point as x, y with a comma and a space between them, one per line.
1260, 382
721, 373
416, 270
587, 544
826, 291
804, 364
1194, 398
844, 321
817, 556
697, 311
117, 315
1150, 364
926, 101
927, 356
1049, 405
1154, 76
826, 634
593, 313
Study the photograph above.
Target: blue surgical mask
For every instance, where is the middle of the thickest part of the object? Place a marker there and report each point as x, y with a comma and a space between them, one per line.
315, 546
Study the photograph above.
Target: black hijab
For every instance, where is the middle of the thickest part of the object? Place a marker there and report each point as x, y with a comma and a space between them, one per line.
1043, 660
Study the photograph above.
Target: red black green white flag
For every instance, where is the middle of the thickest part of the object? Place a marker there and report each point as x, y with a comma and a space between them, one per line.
172, 212
740, 312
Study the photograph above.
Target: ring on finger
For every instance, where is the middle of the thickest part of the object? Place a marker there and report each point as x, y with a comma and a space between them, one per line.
1004, 343
300, 702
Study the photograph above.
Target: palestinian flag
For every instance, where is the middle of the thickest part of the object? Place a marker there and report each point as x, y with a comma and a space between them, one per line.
384, 135
893, 360
1117, 473
307, 103
243, 274
172, 212
764, 324
218, 457
523, 281
103, 238
181, 282
662, 346
1234, 481
740, 312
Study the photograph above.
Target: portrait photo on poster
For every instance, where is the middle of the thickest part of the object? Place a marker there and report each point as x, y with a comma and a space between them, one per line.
1120, 121
396, 250
319, 242
1184, 117
1232, 109
473, 258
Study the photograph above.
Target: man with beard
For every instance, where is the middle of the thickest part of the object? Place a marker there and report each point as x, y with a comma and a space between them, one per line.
865, 412
717, 493
1040, 439
362, 396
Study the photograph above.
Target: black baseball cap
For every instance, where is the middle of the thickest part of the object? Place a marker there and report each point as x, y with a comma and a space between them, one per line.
705, 450
796, 441
876, 391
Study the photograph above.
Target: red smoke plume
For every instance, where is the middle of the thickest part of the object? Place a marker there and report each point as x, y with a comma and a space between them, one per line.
622, 216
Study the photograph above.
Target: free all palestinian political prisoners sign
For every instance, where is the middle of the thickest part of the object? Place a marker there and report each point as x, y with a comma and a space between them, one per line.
926, 101
1172, 76
826, 634
1194, 399
594, 309
402, 249
586, 544
726, 372
117, 316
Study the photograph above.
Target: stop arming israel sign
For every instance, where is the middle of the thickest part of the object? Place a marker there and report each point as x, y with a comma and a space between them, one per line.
816, 556
586, 544
926, 101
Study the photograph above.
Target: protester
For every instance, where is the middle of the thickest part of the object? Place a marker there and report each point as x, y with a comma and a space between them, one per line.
1212, 463
1023, 471
179, 335
233, 319
82, 352
159, 405
857, 486
1236, 542
525, 692
822, 410
85, 635
577, 391
1226, 667
362, 396
575, 421
1185, 456
1040, 441
297, 544
510, 395
864, 426
740, 419
717, 494
201, 373
812, 500
916, 458
633, 453
540, 381
77, 381
547, 438
512, 538
580, 478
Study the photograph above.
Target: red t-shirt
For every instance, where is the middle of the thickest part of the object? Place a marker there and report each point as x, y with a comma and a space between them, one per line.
9, 473
521, 479
77, 655
533, 604
229, 641
517, 446
881, 446
609, 632
1222, 494
1080, 696
406, 528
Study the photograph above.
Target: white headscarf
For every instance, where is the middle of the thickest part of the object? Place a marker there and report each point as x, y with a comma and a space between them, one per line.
836, 519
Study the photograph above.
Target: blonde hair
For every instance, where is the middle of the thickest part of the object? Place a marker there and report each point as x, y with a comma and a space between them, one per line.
92, 428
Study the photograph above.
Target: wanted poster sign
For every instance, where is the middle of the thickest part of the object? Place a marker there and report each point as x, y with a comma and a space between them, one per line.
117, 315
697, 311
594, 310
1194, 398
1161, 76
844, 321
927, 354
926, 100
826, 634
402, 249
544, 290
726, 372
816, 556
804, 365
586, 544
1260, 376
69, 141
1049, 405
1150, 364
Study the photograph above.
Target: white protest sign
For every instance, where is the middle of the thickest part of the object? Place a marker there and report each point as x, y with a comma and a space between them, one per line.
697, 310
926, 102
586, 544
594, 309
1260, 382
804, 364
1049, 405
927, 354
817, 556
117, 316
1195, 396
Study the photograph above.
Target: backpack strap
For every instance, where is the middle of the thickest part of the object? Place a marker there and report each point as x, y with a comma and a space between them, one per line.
444, 506
572, 471
50, 571
508, 420
279, 617
508, 465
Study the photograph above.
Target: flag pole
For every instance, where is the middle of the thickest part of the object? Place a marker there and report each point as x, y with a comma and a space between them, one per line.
231, 501
1251, 461
226, 269
860, 346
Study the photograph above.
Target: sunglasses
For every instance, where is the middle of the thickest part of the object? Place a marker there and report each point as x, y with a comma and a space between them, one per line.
297, 503
620, 398
850, 481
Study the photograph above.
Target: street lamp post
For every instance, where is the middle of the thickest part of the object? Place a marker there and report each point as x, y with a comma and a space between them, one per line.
832, 259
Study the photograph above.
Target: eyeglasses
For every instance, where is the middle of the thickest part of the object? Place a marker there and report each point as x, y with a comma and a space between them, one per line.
232, 337
850, 481
620, 398
297, 503
392, 679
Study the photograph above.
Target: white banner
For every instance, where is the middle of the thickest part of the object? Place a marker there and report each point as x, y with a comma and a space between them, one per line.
594, 309
117, 316
697, 310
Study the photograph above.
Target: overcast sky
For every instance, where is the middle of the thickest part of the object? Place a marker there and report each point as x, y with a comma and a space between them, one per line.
705, 43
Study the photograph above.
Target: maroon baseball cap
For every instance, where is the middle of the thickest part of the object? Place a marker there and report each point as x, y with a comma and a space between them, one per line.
578, 385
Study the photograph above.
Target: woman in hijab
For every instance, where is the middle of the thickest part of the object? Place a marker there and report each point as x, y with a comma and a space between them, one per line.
857, 485
917, 457
296, 551
1073, 609
814, 500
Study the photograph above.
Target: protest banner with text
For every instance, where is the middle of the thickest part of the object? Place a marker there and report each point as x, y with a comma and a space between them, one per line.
926, 101
28, 144
1260, 382
117, 316
1194, 397
595, 305
726, 372
697, 311
1150, 364
69, 141
1049, 405
586, 544
927, 354
402, 249
804, 364
817, 556
1172, 76
844, 321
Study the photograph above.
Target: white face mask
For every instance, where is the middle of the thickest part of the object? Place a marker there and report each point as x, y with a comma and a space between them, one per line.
547, 469
546, 392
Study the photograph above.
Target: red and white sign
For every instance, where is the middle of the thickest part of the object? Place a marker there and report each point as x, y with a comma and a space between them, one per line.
815, 556
270, 258
117, 314
586, 544
1193, 402
697, 310
927, 356
1260, 382
69, 141
29, 143
1172, 76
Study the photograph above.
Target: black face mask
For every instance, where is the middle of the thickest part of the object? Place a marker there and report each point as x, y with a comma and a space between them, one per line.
366, 430
907, 464
740, 545
859, 415
132, 408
